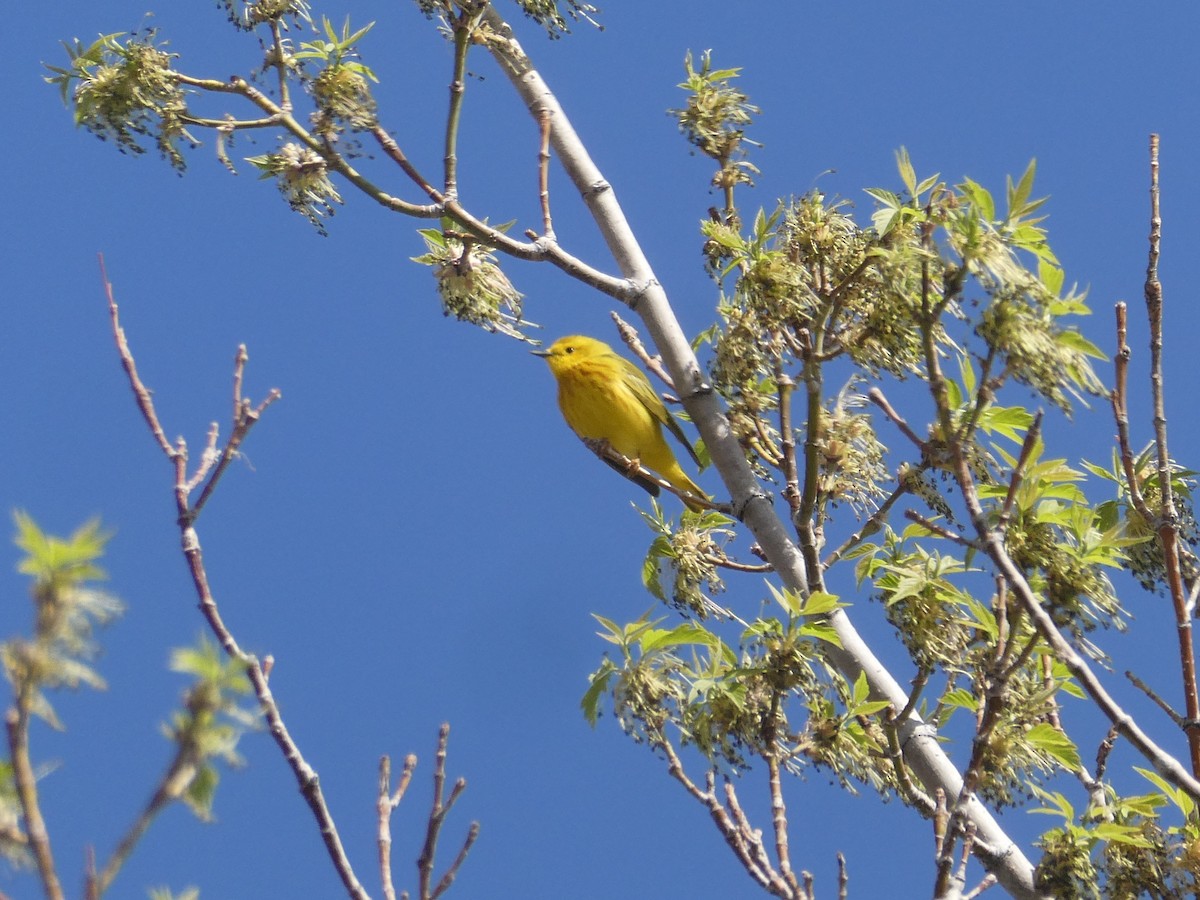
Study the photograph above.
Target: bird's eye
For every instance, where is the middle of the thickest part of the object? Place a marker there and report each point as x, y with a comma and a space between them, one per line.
569, 350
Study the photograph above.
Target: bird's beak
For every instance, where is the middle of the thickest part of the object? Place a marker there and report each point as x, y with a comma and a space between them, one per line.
542, 353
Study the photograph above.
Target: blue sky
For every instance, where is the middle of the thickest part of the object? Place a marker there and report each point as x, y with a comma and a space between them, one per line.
415, 535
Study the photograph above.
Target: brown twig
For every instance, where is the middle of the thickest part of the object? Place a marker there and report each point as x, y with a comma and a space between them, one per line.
25, 782
988, 880
992, 543
437, 815
743, 840
869, 527
177, 775
733, 565
806, 517
1120, 404
140, 393
1180, 721
1018, 475
779, 822
1165, 520
245, 416
1168, 519
630, 338
913, 516
1103, 751
907, 788
787, 443
875, 395
943, 844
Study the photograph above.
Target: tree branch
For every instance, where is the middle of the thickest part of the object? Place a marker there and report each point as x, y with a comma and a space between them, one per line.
245, 417
750, 503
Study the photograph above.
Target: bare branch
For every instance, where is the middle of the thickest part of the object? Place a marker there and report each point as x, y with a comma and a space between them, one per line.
140, 393
244, 418
437, 815
16, 723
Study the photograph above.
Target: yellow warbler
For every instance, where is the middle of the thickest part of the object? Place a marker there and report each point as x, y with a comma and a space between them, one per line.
605, 397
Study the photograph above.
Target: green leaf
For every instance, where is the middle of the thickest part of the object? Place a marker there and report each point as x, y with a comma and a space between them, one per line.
907, 174
886, 197
1011, 421
590, 704
1051, 276
1050, 740
861, 689
1060, 806
1121, 834
790, 600
927, 184
1018, 197
962, 699
821, 631
820, 603
686, 633
202, 791
1078, 342
980, 198
1180, 798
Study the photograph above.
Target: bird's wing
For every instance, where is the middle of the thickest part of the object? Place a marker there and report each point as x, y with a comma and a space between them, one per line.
639, 384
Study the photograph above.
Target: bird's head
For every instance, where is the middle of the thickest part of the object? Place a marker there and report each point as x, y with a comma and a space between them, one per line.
567, 352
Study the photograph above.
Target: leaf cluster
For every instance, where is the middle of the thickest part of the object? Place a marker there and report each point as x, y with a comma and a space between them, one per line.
547, 13
60, 653
1119, 847
472, 286
302, 177
126, 91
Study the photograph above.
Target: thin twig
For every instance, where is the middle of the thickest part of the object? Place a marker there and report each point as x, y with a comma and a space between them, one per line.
739, 841
383, 810
173, 781
988, 880
871, 526
462, 25
25, 782
245, 417
639, 474
443, 885
914, 516
787, 443
437, 815
1168, 518
1120, 404
629, 336
140, 393
993, 544
385, 804
1162, 704
805, 514
779, 822
875, 395
725, 562
1018, 474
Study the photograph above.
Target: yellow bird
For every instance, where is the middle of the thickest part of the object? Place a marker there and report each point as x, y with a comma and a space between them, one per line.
605, 397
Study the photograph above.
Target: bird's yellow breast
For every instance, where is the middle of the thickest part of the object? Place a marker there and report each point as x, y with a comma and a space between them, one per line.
598, 406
